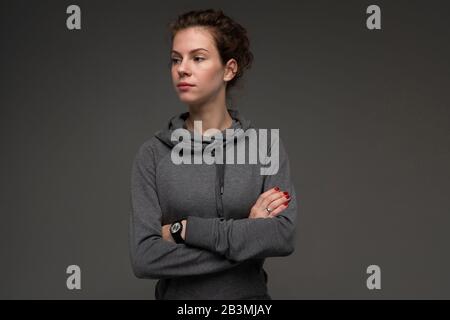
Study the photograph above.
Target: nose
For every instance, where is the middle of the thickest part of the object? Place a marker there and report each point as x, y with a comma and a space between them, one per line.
183, 68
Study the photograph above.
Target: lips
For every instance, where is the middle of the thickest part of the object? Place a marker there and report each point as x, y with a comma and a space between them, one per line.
184, 84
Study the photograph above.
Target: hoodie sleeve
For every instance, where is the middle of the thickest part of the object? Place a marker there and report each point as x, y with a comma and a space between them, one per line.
243, 239
151, 256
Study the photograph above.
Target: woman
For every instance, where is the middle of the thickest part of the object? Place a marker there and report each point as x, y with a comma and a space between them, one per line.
205, 229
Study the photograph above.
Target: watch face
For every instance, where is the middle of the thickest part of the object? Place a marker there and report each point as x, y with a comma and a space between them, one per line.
175, 227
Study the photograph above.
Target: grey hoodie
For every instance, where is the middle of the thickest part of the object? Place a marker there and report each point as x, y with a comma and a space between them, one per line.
224, 251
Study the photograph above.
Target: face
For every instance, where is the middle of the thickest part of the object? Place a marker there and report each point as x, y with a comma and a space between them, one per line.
196, 60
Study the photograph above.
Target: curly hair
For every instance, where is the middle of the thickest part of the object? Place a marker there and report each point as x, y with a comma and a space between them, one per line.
230, 37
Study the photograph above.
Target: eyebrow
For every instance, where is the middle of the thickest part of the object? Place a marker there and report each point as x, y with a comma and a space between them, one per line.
193, 50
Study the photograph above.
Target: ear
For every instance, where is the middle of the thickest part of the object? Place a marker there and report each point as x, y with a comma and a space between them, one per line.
230, 70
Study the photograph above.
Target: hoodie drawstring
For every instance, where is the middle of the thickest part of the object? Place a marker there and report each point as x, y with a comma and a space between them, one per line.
220, 186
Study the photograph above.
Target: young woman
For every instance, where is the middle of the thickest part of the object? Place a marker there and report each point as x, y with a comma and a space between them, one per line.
205, 229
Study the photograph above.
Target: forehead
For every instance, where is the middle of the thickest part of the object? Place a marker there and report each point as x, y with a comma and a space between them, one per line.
191, 38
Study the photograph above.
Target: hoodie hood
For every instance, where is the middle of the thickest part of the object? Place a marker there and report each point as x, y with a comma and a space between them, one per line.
178, 122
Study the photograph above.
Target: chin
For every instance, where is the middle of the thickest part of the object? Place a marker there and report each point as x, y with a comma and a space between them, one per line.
189, 100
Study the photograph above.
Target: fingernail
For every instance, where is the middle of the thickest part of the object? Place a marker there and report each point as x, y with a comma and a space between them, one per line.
286, 204
286, 193
287, 197
277, 189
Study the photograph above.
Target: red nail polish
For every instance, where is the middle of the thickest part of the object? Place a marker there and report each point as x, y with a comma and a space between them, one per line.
286, 193
285, 204
288, 197
277, 189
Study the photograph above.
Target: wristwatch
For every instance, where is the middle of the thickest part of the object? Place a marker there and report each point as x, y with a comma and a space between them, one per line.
175, 230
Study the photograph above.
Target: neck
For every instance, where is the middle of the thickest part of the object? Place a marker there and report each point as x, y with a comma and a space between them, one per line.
213, 116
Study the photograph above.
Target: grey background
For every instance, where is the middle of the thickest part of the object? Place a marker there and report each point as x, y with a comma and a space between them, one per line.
365, 116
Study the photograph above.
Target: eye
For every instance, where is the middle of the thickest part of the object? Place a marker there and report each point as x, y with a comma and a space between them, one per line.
174, 60
199, 58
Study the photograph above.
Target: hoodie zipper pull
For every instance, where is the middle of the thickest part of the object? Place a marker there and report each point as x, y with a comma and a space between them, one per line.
221, 189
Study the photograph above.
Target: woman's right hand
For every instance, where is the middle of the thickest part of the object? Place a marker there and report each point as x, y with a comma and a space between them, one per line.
274, 199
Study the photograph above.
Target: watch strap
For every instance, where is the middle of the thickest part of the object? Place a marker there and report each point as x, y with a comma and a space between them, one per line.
177, 235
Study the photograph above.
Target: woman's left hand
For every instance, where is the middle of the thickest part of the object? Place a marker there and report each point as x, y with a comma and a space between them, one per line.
274, 199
